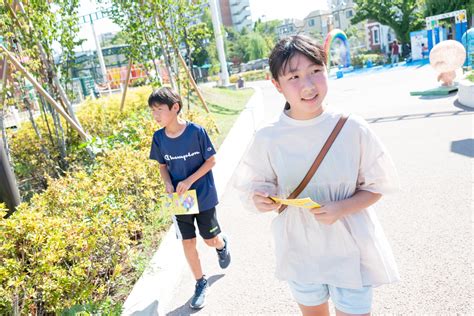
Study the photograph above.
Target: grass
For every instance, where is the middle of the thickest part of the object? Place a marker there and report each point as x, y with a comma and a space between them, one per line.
225, 106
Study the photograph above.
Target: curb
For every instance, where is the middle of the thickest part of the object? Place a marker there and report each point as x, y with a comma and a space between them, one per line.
153, 292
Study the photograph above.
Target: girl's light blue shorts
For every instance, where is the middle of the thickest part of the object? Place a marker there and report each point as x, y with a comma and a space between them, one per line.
350, 301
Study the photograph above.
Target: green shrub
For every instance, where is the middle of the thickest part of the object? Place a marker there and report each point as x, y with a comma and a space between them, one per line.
360, 60
80, 244
470, 76
252, 75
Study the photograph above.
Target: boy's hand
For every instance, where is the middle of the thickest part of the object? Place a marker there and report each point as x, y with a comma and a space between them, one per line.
263, 203
169, 188
183, 186
327, 214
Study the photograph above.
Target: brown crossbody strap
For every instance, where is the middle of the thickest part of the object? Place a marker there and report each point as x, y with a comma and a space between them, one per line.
317, 161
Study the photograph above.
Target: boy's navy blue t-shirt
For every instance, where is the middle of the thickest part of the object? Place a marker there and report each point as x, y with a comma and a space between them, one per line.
183, 156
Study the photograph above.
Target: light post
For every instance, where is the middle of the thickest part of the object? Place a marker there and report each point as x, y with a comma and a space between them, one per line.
219, 43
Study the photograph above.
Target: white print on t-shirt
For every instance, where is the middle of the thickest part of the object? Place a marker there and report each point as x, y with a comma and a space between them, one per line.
188, 155
209, 148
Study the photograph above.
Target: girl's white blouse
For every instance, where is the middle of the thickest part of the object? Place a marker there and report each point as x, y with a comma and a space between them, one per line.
351, 253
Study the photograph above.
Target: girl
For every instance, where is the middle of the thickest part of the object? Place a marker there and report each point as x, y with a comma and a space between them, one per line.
338, 250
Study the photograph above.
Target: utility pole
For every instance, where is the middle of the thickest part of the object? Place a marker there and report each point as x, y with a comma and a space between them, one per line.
219, 42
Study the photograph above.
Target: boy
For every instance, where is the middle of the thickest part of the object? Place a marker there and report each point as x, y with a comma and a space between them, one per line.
186, 156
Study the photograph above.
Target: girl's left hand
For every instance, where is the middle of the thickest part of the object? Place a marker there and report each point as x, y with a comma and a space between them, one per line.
327, 214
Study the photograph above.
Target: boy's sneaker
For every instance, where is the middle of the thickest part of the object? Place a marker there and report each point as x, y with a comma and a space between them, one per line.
199, 298
224, 253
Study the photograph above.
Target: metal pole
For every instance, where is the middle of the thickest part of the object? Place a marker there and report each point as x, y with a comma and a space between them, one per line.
8, 188
100, 56
219, 43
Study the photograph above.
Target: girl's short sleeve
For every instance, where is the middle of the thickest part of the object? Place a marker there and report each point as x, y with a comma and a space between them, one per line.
377, 171
255, 172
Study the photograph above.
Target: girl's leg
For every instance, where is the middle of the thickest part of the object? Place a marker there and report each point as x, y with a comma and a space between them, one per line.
192, 256
339, 313
318, 310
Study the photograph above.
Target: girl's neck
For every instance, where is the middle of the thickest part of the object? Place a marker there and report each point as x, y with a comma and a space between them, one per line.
175, 128
302, 116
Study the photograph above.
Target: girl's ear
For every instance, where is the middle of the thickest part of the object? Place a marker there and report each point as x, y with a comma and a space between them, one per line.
277, 85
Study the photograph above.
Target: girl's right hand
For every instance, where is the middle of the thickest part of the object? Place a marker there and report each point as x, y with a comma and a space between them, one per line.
263, 203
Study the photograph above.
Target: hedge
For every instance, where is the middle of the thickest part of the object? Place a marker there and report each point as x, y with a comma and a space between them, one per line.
82, 242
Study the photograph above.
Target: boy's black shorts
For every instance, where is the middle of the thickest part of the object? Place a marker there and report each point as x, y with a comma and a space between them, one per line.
206, 221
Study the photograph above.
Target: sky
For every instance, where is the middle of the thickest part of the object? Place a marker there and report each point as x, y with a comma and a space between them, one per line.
284, 9
265, 9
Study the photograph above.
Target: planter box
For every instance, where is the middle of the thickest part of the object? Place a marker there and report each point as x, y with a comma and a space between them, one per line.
466, 93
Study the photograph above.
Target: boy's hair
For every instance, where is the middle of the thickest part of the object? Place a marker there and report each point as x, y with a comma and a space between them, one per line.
166, 96
289, 47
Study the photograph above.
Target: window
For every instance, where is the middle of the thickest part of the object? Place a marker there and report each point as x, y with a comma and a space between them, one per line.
349, 14
375, 36
311, 22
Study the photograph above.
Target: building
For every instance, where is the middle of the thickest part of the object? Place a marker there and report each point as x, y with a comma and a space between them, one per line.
379, 36
290, 27
342, 12
316, 23
235, 13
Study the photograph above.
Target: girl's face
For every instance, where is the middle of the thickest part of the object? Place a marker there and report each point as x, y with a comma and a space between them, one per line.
304, 85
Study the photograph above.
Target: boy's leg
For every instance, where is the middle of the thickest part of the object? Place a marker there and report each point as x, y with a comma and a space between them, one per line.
210, 231
192, 256
185, 231
215, 242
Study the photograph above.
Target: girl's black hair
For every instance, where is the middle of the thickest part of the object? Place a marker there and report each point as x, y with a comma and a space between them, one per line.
166, 96
288, 47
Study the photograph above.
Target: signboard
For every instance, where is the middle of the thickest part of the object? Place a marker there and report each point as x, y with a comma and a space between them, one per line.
419, 45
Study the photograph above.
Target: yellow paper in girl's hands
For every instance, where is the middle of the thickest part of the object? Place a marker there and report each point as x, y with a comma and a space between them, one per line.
305, 203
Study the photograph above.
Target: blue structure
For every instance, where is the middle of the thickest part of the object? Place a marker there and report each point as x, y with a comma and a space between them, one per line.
435, 32
468, 41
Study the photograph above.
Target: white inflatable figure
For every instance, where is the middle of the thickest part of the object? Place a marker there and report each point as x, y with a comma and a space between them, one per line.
445, 58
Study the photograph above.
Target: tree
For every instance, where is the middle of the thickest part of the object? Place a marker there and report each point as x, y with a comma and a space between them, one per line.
403, 16
356, 36
257, 46
29, 32
435, 7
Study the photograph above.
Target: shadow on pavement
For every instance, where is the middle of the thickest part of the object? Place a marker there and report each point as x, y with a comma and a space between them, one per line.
463, 147
150, 310
437, 97
457, 104
414, 116
185, 309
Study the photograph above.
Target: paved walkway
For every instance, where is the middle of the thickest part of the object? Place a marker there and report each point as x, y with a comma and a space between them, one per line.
428, 223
